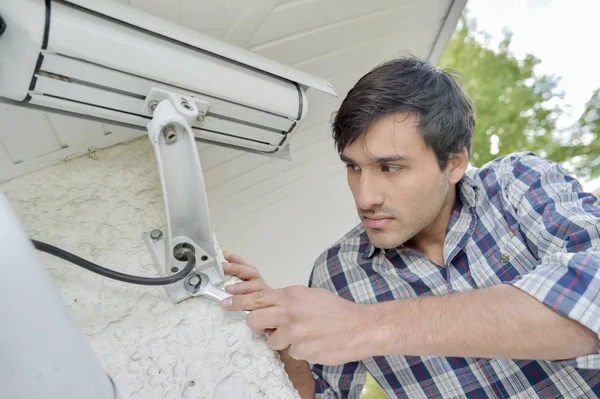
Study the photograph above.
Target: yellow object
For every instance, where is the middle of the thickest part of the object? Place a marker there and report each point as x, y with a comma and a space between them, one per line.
372, 390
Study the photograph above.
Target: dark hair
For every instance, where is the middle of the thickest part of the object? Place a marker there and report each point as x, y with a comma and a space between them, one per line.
444, 110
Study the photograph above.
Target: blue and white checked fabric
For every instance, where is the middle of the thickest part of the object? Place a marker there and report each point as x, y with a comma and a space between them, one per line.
518, 220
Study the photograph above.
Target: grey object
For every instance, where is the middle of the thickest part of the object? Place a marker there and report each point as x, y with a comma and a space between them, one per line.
44, 352
199, 284
156, 234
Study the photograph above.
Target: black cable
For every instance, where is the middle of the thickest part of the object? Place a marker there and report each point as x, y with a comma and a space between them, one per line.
127, 278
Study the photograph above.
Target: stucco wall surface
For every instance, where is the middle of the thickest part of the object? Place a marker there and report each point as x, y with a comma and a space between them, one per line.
97, 207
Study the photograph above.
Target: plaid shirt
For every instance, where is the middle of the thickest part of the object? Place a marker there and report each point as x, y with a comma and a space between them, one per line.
519, 220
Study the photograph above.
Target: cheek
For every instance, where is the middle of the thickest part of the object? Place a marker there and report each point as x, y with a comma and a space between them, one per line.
402, 195
414, 189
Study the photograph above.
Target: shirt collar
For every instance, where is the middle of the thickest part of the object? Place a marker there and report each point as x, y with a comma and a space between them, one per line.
470, 196
469, 191
370, 248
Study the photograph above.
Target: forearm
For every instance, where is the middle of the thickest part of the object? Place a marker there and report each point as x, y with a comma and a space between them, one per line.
496, 322
300, 374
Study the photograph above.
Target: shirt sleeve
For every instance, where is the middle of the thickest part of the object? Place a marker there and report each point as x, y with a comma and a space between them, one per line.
339, 381
561, 224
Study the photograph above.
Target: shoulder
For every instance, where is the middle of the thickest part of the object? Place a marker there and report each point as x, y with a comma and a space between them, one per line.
335, 261
515, 174
519, 165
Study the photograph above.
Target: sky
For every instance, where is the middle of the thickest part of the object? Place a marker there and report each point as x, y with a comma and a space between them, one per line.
563, 34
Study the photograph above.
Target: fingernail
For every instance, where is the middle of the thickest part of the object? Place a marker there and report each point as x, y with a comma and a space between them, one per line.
227, 302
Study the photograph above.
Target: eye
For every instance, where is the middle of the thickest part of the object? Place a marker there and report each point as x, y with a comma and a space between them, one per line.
390, 168
353, 168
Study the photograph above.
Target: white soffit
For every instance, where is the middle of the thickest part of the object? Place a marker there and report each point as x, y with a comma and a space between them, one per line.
338, 40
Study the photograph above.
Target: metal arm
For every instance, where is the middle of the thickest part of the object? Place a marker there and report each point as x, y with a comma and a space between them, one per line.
184, 193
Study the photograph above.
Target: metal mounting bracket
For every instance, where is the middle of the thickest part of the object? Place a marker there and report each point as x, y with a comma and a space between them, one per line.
184, 193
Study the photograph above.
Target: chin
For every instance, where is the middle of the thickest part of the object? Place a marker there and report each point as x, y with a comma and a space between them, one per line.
380, 239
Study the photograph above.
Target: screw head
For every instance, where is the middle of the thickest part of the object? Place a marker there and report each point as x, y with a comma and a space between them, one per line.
170, 134
194, 280
201, 116
192, 383
152, 105
156, 234
186, 105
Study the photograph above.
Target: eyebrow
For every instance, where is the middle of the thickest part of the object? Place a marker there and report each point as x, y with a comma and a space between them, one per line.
378, 160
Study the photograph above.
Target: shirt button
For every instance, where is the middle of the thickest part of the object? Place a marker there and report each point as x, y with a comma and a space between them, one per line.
505, 258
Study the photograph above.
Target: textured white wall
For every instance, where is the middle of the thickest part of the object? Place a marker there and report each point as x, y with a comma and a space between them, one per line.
98, 208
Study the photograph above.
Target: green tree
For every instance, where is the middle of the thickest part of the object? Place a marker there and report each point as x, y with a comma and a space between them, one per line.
579, 145
517, 109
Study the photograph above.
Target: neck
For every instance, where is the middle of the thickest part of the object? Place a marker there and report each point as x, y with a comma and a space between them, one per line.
430, 241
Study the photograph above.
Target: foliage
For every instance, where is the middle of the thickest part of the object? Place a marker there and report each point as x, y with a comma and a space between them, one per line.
517, 109
581, 145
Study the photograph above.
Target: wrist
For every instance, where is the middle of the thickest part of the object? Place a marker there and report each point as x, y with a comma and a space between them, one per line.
284, 354
373, 333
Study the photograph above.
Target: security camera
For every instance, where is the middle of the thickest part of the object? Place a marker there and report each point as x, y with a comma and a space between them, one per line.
101, 60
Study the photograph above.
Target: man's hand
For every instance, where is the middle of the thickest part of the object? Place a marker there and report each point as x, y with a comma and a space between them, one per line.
312, 324
298, 371
253, 281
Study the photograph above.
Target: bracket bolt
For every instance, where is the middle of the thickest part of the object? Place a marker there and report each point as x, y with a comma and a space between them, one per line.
194, 280
152, 105
186, 105
170, 134
156, 234
201, 116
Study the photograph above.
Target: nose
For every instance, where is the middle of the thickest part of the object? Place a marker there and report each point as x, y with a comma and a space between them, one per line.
369, 193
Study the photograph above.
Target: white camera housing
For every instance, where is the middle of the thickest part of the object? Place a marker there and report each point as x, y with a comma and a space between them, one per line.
100, 60
113, 63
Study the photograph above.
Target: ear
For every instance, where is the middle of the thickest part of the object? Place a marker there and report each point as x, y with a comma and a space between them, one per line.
457, 165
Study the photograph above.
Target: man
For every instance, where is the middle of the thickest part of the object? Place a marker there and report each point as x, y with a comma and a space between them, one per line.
455, 278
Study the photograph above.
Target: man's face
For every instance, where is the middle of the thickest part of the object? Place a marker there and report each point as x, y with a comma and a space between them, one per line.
398, 187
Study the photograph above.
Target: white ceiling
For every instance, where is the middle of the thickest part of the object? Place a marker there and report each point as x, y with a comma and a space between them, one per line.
250, 195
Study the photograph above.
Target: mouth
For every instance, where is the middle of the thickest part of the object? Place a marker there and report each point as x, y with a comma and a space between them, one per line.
377, 222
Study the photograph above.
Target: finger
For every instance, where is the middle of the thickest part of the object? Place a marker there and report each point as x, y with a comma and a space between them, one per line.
256, 300
266, 320
246, 287
245, 272
231, 258
279, 340
293, 352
